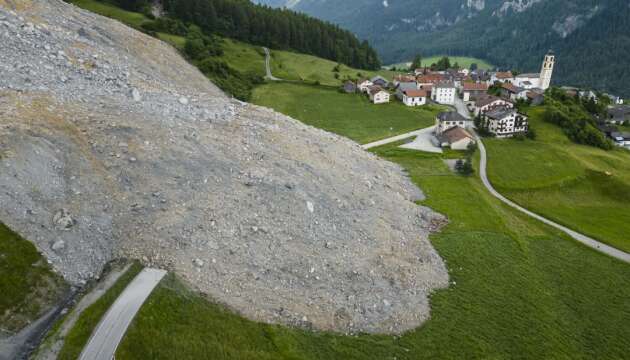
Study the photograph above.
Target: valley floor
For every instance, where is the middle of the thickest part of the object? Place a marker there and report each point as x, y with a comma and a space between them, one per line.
519, 289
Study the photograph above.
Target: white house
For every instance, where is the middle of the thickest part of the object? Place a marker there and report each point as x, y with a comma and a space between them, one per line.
450, 119
504, 122
378, 95
456, 138
527, 81
414, 97
444, 93
502, 77
404, 86
489, 102
364, 85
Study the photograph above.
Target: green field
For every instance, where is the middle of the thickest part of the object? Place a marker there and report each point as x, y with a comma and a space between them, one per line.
519, 290
582, 187
28, 285
130, 18
89, 318
462, 61
300, 67
351, 115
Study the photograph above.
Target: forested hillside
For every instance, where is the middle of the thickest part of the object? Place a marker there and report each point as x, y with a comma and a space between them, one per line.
262, 25
590, 37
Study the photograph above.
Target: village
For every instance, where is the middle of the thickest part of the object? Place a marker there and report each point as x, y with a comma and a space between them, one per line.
483, 100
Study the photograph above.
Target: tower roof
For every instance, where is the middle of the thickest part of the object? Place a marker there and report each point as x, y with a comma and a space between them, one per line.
550, 52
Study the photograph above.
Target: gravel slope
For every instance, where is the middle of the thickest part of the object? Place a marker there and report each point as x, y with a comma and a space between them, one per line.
112, 145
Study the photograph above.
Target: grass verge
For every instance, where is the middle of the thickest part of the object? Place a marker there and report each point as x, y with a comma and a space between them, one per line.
82, 330
27, 283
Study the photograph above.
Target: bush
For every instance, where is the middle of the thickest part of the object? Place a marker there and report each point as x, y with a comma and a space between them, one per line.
531, 134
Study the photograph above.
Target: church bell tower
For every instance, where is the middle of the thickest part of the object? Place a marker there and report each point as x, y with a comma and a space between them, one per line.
547, 70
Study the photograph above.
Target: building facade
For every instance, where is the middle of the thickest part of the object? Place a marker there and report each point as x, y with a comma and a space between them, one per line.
444, 93
504, 122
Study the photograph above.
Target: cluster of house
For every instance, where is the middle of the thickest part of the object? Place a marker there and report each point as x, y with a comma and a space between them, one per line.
442, 87
497, 114
618, 115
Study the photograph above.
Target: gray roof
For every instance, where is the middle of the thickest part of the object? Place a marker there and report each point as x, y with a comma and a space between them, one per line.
500, 112
624, 135
376, 78
404, 86
444, 84
450, 116
530, 75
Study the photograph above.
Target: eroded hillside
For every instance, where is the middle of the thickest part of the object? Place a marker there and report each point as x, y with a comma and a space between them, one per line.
112, 145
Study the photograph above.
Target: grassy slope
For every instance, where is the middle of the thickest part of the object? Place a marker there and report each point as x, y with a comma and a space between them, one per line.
520, 290
27, 284
565, 181
351, 115
241, 56
130, 18
463, 61
80, 333
293, 66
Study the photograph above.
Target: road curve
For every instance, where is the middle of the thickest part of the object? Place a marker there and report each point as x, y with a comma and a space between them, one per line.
111, 329
268, 65
606, 249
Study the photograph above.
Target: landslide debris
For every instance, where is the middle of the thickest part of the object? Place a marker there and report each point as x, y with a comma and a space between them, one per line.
111, 145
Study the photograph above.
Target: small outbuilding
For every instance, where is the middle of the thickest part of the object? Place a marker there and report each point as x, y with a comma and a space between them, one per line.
456, 138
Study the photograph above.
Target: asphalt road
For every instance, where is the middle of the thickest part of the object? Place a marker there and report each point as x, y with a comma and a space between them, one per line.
461, 108
616, 253
111, 329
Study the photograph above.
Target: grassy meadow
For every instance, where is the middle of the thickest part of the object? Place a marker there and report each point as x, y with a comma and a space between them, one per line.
518, 290
350, 115
288, 65
582, 187
28, 285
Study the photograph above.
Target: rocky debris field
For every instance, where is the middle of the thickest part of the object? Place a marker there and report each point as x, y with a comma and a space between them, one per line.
111, 145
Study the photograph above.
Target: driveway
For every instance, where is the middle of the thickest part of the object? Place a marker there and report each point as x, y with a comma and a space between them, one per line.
423, 142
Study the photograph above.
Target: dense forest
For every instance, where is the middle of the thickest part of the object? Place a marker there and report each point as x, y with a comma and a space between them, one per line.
262, 25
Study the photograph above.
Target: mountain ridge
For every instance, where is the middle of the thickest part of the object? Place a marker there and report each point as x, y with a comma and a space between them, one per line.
588, 36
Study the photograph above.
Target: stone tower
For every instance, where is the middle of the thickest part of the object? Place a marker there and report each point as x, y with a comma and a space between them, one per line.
547, 70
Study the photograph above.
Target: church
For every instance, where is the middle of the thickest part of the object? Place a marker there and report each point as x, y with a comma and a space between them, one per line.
540, 80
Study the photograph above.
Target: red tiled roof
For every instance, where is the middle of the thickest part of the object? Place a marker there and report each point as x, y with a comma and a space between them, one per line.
475, 87
430, 78
509, 87
416, 93
504, 75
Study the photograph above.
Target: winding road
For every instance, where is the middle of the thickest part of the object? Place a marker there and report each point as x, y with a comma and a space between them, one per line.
588, 241
111, 329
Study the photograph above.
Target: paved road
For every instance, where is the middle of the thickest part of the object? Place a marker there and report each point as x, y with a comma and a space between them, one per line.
392, 139
267, 65
616, 253
461, 107
423, 142
111, 329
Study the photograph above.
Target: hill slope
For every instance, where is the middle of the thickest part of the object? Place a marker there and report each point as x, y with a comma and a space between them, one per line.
117, 146
590, 37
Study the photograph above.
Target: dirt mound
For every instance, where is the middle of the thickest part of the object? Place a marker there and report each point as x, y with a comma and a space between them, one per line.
112, 145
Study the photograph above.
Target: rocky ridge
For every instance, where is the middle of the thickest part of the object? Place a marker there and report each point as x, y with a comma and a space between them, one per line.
111, 145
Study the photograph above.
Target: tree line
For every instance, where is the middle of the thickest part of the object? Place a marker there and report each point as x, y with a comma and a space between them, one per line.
275, 28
